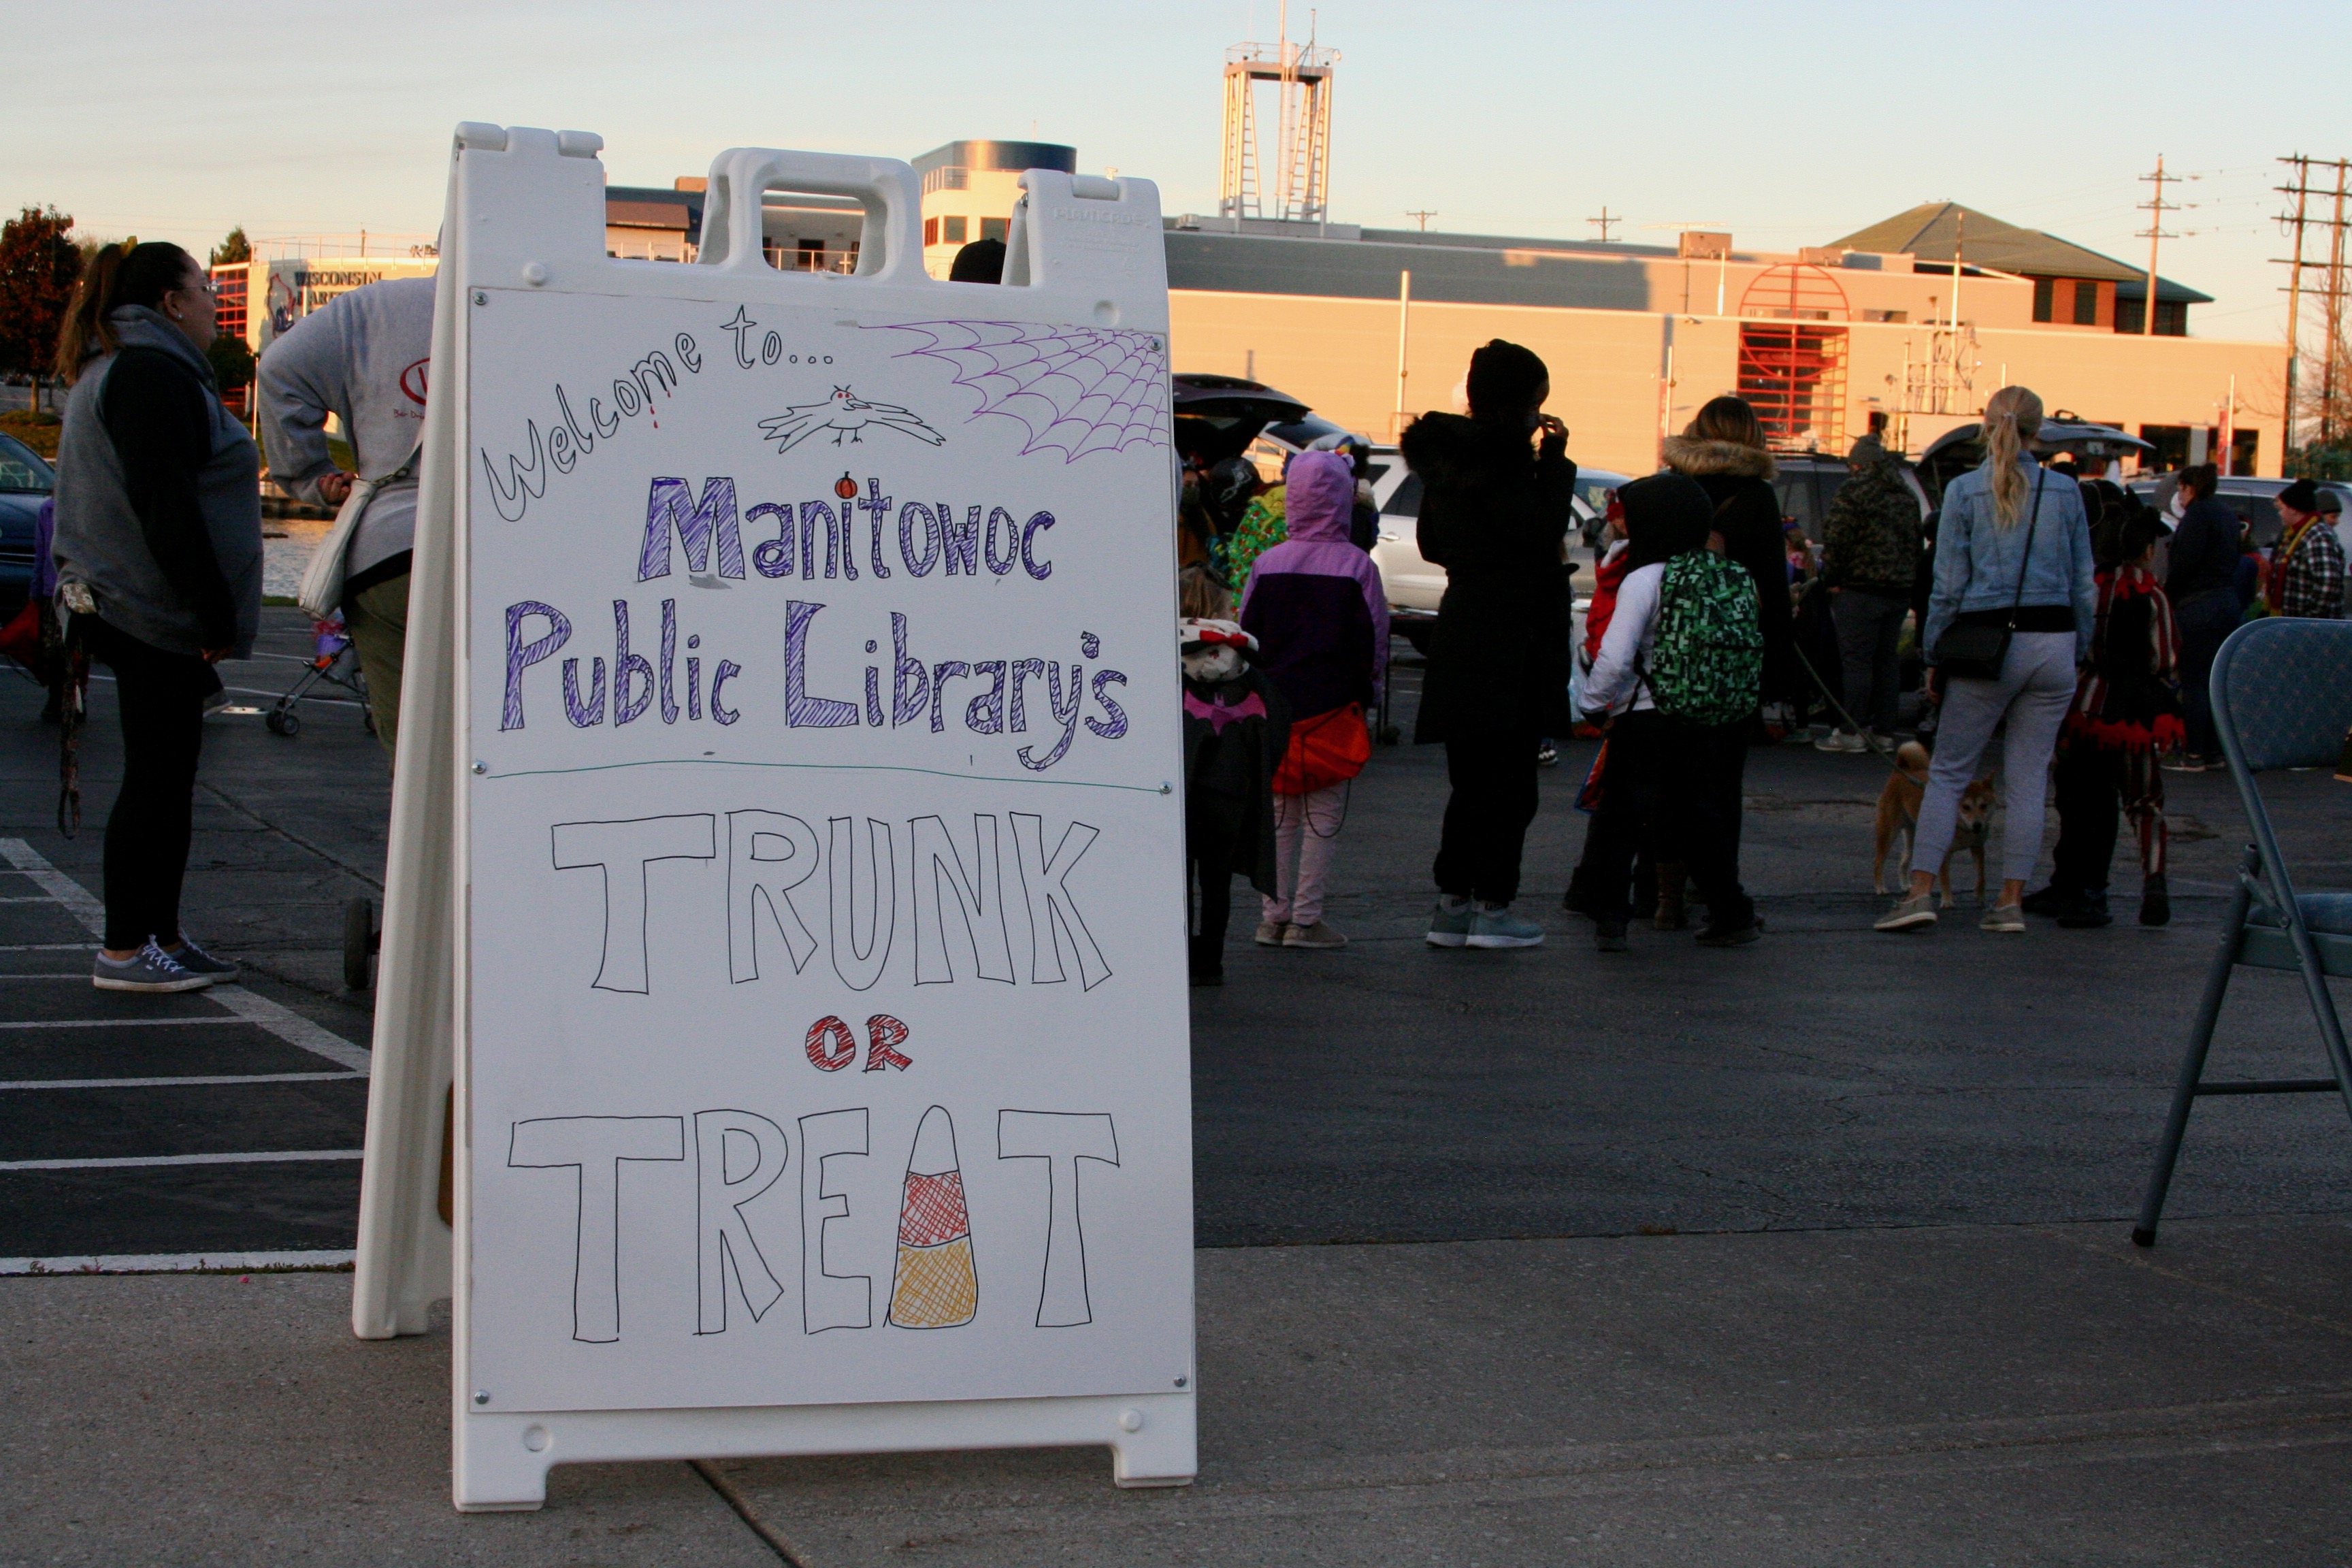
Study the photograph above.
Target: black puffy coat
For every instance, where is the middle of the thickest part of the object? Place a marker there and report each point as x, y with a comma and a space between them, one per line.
1493, 513
1739, 480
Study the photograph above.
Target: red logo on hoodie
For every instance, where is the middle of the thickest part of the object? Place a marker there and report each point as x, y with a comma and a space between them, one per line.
412, 381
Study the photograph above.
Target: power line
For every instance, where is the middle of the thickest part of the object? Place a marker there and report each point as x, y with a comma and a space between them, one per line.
1605, 222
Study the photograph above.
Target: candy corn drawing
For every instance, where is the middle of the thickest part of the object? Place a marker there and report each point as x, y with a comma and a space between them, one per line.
937, 1287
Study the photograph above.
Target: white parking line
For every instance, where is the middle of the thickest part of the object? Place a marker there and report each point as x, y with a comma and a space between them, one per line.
129, 1160
177, 1083
175, 1262
283, 1021
114, 1022
57, 884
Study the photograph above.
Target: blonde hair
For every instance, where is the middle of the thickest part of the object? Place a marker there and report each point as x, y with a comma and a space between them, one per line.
1201, 597
2012, 417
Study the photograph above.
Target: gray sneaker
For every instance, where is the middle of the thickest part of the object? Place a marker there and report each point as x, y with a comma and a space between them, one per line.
2002, 918
1500, 928
148, 969
1912, 912
1450, 927
196, 961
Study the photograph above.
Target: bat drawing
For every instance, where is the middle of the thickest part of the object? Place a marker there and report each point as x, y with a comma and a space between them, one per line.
845, 414
1076, 390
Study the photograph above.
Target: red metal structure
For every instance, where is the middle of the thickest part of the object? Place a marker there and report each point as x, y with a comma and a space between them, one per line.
1792, 364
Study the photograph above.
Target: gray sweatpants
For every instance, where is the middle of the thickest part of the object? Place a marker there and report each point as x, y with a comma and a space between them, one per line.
2035, 689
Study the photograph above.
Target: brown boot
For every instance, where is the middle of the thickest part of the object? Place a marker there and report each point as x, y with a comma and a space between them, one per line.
1671, 877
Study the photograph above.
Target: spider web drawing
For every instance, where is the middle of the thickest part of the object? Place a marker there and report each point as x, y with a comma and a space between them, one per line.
1077, 390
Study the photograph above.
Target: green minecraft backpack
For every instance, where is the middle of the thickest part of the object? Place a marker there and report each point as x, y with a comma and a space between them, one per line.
1708, 666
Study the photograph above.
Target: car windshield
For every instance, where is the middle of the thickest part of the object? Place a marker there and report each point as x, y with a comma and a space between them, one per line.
22, 469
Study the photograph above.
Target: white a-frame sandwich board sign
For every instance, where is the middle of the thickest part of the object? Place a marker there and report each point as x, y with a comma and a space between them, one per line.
786, 858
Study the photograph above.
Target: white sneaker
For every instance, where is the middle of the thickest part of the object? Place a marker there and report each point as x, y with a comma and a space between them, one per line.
1841, 740
1910, 912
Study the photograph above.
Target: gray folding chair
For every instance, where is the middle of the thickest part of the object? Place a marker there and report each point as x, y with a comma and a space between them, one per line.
2282, 698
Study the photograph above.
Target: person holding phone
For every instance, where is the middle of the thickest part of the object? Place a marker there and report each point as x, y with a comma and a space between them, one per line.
158, 551
1497, 486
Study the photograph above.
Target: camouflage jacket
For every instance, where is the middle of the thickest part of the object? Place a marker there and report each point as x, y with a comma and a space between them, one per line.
1871, 542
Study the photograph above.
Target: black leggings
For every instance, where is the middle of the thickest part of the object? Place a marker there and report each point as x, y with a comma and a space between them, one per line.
1487, 816
161, 697
1678, 782
1210, 848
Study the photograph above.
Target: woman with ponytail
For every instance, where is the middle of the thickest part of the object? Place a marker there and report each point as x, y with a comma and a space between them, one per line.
159, 564
2015, 594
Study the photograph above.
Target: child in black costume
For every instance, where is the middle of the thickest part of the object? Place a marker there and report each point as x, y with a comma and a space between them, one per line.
2127, 714
1236, 730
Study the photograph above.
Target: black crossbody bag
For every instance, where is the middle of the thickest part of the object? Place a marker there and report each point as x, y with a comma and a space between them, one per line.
1968, 651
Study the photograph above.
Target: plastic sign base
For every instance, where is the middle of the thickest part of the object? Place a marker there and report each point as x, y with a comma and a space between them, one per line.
502, 1459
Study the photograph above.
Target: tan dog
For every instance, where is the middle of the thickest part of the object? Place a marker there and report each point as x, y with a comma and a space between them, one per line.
1899, 812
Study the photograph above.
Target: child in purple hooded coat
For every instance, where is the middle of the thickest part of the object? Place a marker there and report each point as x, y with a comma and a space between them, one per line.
1316, 606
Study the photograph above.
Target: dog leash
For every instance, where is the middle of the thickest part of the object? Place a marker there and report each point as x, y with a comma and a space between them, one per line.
1823, 687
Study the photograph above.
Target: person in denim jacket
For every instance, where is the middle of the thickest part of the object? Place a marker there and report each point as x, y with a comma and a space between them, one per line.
2012, 548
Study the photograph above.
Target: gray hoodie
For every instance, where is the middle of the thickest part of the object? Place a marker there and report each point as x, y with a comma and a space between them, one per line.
159, 501
362, 357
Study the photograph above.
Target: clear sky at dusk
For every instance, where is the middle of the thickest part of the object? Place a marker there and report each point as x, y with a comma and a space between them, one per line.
1786, 124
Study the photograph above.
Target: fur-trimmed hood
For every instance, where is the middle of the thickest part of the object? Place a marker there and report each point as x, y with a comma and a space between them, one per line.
1701, 459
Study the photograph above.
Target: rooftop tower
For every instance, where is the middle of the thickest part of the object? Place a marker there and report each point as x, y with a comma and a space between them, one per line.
1299, 191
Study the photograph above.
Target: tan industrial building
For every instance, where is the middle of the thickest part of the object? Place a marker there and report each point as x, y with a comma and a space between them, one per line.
1906, 326
1368, 325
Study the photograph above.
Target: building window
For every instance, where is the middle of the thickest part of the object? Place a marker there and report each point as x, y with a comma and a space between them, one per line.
994, 228
2086, 304
2172, 318
952, 229
2046, 291
931, 231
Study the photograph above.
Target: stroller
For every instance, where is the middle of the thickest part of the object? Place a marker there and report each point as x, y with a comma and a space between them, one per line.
333, 662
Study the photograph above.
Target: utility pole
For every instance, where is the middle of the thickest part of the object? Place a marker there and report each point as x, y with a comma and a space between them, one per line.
2335, 316
2301, 189
1604, 222
2155, 231
1422, 218
1960, 243
2334, 369
1404, 341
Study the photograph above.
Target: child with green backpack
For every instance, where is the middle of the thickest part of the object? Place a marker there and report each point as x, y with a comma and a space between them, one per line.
1676, 679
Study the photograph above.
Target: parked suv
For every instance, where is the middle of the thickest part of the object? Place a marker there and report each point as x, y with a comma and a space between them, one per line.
1807, 482
2254, 499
